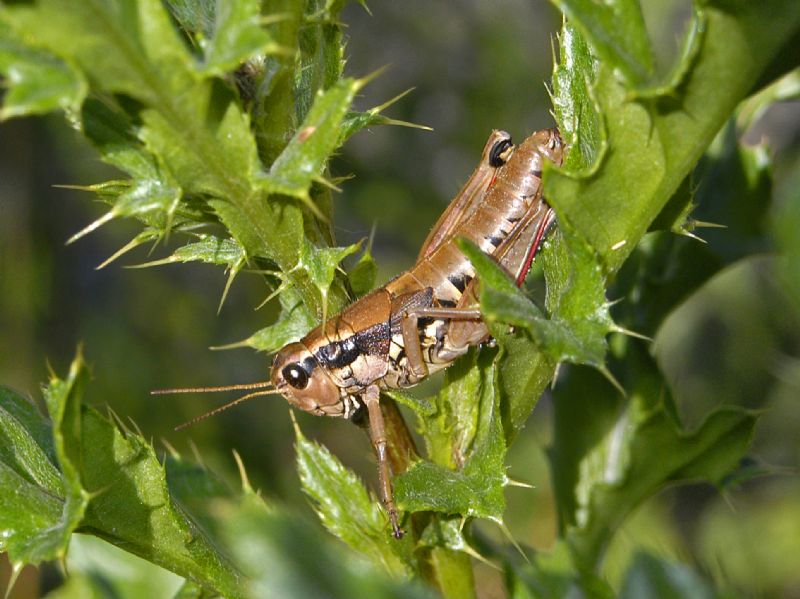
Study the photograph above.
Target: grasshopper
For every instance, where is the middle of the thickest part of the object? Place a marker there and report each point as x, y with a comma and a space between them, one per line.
425, 318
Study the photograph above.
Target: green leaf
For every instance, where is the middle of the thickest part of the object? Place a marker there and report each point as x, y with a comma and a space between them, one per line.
617, 31
450, 429
42, 507
575, 110
651, 578
190, 129
523, 373
321, 60
476, 488
29, 456
111, 483
210, 249
362, 275
321, 264
286, 330
133, 508
551, 574
37, 82
237, 35
284, 556
615, 460
347, 510
355, 121
303, 160
97, 569
577, 333
656, 142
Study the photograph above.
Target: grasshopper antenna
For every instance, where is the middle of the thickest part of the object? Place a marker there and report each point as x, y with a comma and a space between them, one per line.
243, 387
224, 407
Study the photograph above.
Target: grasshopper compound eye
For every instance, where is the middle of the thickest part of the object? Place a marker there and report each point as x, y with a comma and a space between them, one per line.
295, 376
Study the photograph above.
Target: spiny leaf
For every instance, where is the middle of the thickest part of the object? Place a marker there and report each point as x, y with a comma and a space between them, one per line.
320, 264
575, 110
449, 427
656, 142
109, 482
347, 510
23, 453
601, 471
237, 35
355, 121
618, 32
362, 275
577, 333
290, 326
476, 488
302, 161
37, 81
210, 250
285, 556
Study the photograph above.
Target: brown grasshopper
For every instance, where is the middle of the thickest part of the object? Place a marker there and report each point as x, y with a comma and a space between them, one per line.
425, 318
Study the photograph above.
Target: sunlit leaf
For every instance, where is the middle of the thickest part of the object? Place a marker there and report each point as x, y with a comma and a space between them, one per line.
37, 81
346, 508
475, 488
236, 36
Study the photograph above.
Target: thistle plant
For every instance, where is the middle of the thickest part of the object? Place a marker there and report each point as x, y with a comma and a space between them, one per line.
222, 118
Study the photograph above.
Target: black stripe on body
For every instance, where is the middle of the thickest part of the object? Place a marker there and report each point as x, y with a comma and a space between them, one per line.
338, 354
495, 240
459, 281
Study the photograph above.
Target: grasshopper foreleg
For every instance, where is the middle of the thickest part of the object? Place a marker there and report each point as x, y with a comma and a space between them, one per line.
378, 435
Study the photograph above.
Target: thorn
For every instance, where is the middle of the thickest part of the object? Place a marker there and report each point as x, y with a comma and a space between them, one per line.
234, 345
297, 432
555, 375
170, 449
278, 290
242, 473
92, 226
629, 333
610, 378
701, 224
135, 427
16, 568
690, 235
510, 482
361, 83
329, 184
507, 534
612, 303
133, 243
235, 269
196, 453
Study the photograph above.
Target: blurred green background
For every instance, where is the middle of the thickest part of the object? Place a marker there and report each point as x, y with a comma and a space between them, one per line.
482, 66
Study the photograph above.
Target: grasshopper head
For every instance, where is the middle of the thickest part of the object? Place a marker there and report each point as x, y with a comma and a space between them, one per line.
304, 383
